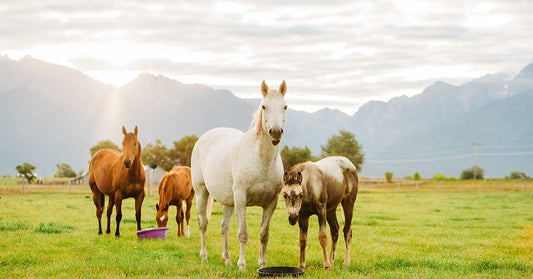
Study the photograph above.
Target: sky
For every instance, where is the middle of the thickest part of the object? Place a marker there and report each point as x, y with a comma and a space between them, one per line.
335, 54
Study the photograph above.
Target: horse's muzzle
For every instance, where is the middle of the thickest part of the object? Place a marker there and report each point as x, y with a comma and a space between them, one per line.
275, 134
127, 163
293, 219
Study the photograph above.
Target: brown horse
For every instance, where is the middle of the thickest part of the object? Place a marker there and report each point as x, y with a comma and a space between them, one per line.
318, 188
119, 176
174, 188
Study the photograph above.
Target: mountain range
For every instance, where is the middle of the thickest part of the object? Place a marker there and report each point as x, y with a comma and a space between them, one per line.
51, 114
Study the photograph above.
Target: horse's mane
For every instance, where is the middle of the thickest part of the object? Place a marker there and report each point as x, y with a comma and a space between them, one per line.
298, 167
162, 189
257, 121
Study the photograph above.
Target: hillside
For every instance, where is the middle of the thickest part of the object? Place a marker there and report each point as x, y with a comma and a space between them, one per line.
51, 114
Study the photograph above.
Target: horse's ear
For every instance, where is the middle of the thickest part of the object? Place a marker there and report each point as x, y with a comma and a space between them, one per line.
299, 177
283, 88
135, 130
157, 206
264, 88
124, 130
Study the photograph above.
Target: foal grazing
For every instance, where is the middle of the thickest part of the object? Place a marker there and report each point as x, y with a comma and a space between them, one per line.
174, 188
119, 176
239, 170
317, 188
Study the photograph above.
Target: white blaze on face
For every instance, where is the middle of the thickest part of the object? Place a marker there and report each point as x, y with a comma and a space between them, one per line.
162, 218
292, 210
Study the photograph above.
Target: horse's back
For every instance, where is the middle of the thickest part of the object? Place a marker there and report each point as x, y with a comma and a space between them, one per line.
338, 172
211, 162
176, 184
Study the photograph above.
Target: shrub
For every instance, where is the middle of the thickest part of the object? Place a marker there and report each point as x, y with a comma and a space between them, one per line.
388, 176
517, 175
416, 176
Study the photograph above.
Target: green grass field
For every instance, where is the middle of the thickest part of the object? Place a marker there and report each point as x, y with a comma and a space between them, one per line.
406, 234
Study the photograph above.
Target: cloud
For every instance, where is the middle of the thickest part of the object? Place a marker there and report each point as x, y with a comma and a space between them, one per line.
357, 49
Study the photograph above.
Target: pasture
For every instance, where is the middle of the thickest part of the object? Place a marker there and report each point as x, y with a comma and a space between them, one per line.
471, 232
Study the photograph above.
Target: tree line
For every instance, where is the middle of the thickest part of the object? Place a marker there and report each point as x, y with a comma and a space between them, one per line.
158, 155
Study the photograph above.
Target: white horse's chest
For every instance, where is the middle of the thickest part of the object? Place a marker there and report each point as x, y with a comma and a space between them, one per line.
261, 184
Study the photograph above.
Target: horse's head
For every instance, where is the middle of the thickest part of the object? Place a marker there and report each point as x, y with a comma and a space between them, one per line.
293, 194
161, 217
131, 148
273, 109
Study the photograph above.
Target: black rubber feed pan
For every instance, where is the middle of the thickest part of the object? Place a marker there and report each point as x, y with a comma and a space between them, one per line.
279, 271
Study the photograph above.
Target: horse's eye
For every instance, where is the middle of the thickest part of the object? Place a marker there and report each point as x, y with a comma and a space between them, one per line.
263, 107
285, 108
301, 196
284, 196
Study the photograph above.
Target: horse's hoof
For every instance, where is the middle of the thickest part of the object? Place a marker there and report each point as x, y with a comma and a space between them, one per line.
117, 234
242, 265
346, 262
203, 255
302, 266
262, 263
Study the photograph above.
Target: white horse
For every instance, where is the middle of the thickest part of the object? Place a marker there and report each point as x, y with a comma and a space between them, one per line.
241, 169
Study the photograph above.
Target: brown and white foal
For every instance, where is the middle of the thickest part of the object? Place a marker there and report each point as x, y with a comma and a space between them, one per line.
318, 188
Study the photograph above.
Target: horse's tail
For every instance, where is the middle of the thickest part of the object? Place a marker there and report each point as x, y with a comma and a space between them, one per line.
210, 202
351, 177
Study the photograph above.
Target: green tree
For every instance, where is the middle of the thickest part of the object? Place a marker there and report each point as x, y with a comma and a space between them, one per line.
388, 176
439, 177
416, 176
64, 170
474, 172
103, 144
156, 155
295, 155
26, 170
181, 153
345, 145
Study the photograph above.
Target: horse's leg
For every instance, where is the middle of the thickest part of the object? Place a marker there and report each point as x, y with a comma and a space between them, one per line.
109, 211
179, 218
322, 235
188, 214
138, 205
224, 228
118, 218
265, 227
98, 199
334, 229
347, 205
201, 203
303, 223
240, 208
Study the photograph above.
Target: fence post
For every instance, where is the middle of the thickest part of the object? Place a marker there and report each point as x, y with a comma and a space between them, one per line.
23, 187
69, 184
440, 185
525, 185
484, 186
417, 185
458, 185
398, 186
